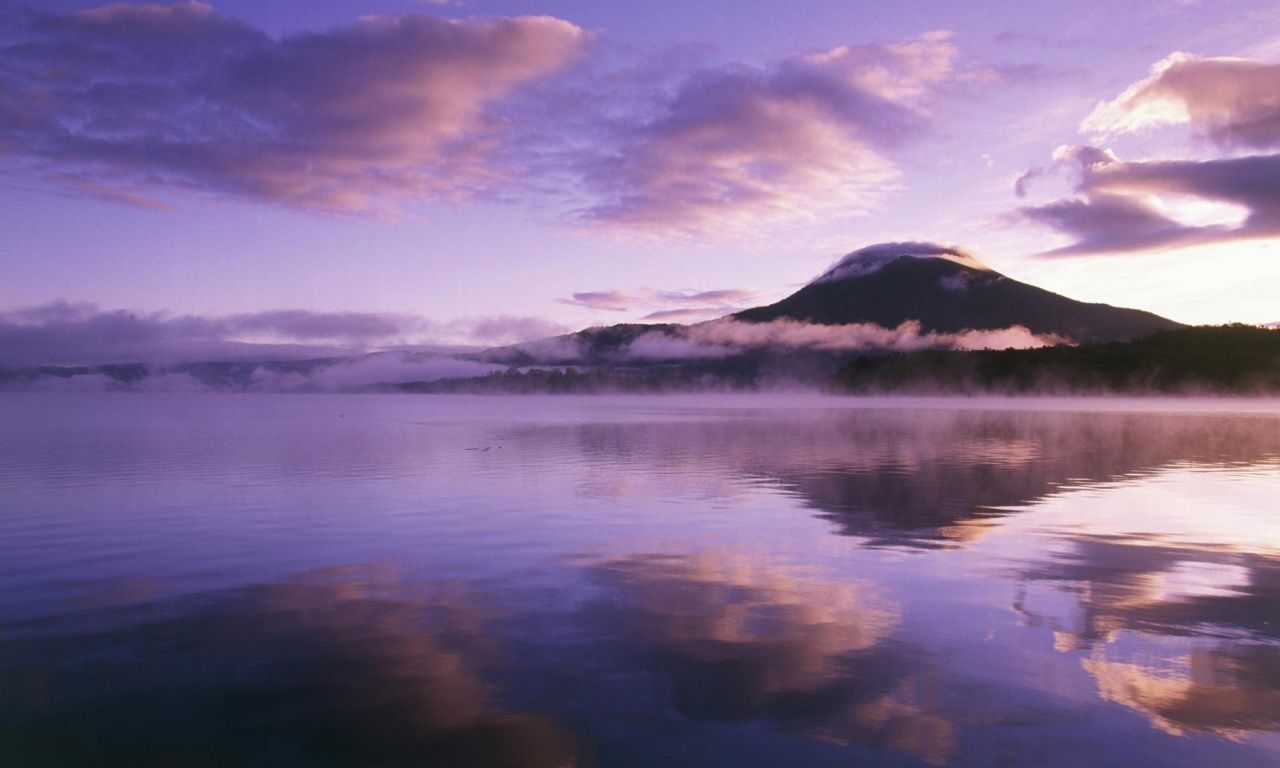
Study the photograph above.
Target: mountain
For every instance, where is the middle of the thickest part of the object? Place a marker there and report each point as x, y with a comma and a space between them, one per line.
892, 297
947, 291
882, 298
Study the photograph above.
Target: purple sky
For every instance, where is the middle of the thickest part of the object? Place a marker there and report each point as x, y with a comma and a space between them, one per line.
490, 171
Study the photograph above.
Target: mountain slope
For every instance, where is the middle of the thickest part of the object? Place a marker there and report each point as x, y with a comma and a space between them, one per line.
947, 291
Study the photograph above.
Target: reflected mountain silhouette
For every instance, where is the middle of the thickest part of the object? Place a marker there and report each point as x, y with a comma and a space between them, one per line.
941, 479
637, 582
928, 478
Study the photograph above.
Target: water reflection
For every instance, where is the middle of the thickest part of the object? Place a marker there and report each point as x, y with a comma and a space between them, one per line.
741, 640
924, 478
631, 582
346, 667
1175, 585
1228, 690
1160, 590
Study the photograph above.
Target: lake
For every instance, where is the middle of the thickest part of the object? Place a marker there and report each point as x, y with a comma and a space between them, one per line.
384, 580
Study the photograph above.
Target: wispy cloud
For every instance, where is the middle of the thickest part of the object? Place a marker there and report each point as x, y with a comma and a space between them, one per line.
872, 258
684, 314
131, 99
665, 306
786, 333
506, 329
1117, 206
323, 375
731, 146
133, 103
727, 337
82, 333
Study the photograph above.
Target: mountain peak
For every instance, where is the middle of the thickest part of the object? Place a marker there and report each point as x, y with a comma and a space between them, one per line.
872, 258
946, 290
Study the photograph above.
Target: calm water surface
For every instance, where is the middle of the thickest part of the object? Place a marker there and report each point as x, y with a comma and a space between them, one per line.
260, 580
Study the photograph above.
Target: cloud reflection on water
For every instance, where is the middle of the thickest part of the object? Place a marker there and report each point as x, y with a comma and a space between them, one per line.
1174, 582
741, 640
348, 666
656, 584
1156, 526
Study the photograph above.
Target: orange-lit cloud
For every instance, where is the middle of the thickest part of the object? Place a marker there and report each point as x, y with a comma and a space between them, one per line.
1124, 207
1234, 102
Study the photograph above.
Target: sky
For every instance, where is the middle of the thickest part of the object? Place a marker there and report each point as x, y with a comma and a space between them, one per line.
488, 171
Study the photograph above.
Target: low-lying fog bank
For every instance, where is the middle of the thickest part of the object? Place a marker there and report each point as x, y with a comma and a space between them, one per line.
1207, 361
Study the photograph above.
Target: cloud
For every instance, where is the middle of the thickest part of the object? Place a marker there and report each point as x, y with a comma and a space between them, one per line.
367, 371
554, 350
159, 381
322, 375
1122, 207
133, 102
685, 314
352, 659
1233, 102
734, 146
866, 260
721, 338
306, 325
666, 306
613, 300
507, 329
737, 643
1070, 158
658, 345
64, 333
70, 333
1125, 207
1110, 224
134, 99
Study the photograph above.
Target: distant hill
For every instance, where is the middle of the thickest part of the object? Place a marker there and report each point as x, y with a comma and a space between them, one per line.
1230, 359
601, 345
948, 291
928, 288
873, 301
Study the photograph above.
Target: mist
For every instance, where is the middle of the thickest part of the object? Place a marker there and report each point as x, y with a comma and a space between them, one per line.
720, 337
317, 375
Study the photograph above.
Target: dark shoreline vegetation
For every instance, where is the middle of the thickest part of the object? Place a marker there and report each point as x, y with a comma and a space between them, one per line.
1228, 359
570, 381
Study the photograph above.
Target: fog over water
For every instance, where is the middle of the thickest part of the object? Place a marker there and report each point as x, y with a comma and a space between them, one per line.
256, 579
